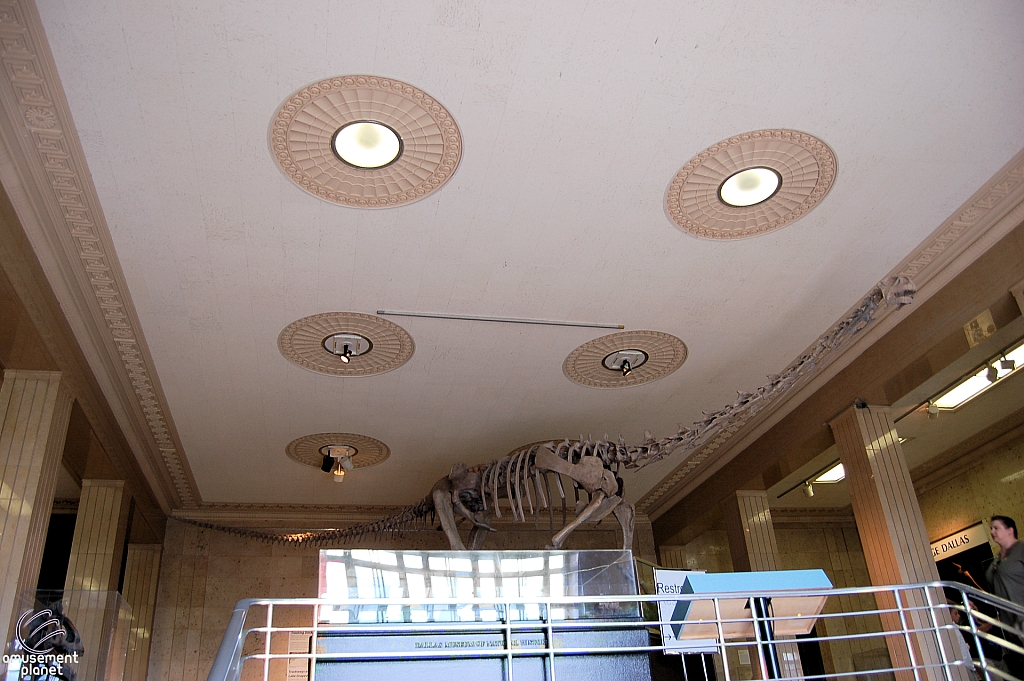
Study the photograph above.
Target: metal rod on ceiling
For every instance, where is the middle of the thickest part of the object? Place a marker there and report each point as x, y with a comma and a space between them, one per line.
507, 320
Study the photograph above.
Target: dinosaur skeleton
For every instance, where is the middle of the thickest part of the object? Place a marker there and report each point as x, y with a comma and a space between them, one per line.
473, 492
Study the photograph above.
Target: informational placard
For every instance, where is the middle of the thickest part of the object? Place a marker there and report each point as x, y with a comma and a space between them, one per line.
967, 538
668, 582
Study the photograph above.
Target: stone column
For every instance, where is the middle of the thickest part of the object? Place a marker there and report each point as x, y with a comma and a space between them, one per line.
140, 580
748, 522
34, 407
891, 528
90, 590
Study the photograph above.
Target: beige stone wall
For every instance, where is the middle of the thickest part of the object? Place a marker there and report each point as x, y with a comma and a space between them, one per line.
992, 484
709, 551
203, 573
836, 549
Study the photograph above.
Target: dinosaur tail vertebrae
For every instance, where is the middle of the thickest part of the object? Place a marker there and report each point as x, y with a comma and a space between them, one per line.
411, 518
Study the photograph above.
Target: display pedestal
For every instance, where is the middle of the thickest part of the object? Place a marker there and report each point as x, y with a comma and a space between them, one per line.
454, 641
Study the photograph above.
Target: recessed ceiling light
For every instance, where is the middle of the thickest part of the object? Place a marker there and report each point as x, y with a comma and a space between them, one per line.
834, 474
982, 379
367, 144
749, 187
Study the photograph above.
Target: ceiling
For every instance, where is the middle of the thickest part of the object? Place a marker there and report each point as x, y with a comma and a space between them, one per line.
574, 119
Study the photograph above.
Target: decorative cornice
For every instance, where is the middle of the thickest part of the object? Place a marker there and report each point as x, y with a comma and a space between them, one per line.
812, 518
65, 506
76, 233
993, 211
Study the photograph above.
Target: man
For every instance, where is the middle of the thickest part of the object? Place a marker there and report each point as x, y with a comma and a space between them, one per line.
1006, 575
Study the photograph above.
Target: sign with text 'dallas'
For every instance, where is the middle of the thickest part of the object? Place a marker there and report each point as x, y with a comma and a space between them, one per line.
967, 538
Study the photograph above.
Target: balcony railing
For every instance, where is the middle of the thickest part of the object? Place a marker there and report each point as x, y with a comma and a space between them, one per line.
921, 631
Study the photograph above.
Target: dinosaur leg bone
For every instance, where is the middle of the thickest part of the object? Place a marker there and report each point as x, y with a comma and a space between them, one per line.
443, 507
469, 515
478, 534
625, 513
592, 507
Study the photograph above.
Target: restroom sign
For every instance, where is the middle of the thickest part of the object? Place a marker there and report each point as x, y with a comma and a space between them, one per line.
967, 538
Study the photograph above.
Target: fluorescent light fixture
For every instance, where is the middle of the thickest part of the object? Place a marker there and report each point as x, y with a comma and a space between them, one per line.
749, 187
366, 144
834, 474
990, 374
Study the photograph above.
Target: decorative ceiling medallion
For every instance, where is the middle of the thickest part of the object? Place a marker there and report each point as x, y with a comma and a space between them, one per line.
307, 449
303, 130
303, 340
585, 365
805, 165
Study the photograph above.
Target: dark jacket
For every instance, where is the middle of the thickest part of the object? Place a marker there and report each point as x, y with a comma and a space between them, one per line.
1007, 579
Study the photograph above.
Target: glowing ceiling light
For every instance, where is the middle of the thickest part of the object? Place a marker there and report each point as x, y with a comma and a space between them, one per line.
834, 474
749, 187
984, 378
367, 144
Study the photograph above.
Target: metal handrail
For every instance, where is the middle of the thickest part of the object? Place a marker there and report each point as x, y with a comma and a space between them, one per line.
915, 609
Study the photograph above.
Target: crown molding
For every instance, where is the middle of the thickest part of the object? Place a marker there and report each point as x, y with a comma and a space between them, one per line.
985, 218
43, 168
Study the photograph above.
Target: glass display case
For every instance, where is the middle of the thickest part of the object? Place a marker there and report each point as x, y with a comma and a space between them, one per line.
499, 598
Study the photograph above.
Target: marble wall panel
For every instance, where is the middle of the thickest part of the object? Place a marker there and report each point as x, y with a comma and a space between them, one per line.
993, 485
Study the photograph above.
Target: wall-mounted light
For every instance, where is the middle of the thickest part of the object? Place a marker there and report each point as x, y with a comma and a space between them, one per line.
808, 489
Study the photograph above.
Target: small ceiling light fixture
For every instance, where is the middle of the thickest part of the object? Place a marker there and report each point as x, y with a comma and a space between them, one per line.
367, 144
347, 345
808, 489
749, 187
983, 378
338, 460
625, 360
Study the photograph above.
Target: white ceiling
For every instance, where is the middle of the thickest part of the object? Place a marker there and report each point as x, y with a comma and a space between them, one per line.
574, 117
